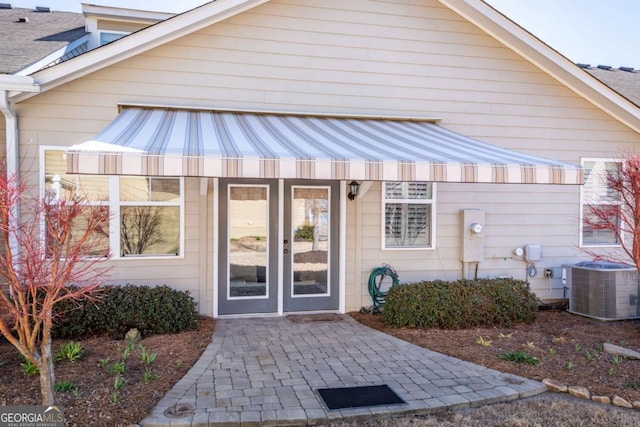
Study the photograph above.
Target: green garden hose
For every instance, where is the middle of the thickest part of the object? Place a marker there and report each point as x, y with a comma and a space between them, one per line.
377, 293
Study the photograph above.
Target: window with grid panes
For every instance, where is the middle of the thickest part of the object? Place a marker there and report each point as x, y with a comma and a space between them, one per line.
597, 194
146, 212
408, 214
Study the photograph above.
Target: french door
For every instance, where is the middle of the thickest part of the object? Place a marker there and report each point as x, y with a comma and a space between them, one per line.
264, 268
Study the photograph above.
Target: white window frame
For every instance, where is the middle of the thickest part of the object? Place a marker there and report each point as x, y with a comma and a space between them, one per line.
114, 205
42, 193
431, 202
120, 33
582, 244
120, 204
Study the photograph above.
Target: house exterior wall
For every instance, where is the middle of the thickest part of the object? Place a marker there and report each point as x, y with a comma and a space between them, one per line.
403, 58
126, 27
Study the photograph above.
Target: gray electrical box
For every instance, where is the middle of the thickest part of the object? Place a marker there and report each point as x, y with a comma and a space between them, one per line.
533, 253
473, 231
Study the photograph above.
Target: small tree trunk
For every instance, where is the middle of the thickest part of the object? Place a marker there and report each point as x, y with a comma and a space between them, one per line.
47, 373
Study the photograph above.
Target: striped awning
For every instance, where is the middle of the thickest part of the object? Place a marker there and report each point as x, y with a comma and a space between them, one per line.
176, 142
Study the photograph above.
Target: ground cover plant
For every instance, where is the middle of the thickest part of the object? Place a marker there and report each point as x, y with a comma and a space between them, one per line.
112, 382
558, 345
86, 386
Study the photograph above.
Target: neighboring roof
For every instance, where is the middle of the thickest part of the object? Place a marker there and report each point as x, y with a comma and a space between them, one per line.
25, 43
624, 80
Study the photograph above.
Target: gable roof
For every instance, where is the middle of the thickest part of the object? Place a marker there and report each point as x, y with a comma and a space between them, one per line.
477, 12
29, 36
546, 58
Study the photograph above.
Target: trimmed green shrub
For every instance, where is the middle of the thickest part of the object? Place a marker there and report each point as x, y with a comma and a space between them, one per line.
461, 304
304, 232
152, 310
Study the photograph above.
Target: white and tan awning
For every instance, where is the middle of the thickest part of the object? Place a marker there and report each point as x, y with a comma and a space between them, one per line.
176, 142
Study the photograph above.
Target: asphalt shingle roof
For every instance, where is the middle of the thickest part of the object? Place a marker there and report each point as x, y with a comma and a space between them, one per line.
625, 81
23, 43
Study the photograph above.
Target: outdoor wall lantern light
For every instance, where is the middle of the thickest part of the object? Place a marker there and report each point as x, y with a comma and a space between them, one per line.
354, 187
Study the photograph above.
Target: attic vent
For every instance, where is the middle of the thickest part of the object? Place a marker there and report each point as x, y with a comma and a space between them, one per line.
43, 9
23, 20
604, 67
6, 6
628, 69
584, 65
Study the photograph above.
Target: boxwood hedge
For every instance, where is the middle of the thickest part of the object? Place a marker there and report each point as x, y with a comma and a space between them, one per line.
152, 310
461, 304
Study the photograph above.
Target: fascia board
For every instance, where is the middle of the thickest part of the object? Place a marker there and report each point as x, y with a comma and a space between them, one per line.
546, 58
124, 13
139, 42
13, 82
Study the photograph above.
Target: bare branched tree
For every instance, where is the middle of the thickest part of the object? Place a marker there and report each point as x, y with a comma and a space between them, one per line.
622, 216
43, 253
140, 227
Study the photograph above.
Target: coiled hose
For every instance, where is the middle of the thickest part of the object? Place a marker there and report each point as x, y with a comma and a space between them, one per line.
377, 276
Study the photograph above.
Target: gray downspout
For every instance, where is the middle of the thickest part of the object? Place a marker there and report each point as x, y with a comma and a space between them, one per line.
12, 156
18, 84
11, 124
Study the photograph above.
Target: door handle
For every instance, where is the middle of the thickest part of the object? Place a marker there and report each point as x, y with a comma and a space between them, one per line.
286, 251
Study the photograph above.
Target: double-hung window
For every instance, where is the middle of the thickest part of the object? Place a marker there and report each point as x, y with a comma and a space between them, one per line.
94, 191
149, 216
599, 197
146, 213
408, 215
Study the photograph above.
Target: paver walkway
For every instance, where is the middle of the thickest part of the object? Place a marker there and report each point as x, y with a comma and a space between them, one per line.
265, 371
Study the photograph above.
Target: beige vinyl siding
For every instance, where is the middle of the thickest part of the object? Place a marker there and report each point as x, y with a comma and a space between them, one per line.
181, 273
399, 58
126, 27
515, 215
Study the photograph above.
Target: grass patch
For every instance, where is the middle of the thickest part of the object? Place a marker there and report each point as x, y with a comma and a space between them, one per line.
519, 357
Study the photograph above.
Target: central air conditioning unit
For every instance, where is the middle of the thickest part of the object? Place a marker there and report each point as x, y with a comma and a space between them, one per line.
603, 290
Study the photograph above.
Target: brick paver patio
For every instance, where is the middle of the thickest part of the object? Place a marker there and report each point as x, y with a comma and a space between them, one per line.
265, 371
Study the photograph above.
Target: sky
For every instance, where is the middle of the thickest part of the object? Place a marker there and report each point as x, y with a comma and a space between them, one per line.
596, 32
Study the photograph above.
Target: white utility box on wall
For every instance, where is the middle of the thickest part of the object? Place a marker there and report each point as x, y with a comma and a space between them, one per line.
473, 231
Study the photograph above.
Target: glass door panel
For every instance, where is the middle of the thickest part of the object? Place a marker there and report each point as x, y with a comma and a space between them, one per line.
310, 224
248, 241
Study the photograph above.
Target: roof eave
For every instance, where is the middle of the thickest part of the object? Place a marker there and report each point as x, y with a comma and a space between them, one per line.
547, 59
121, 13
15, 83
139, 42
53, 56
